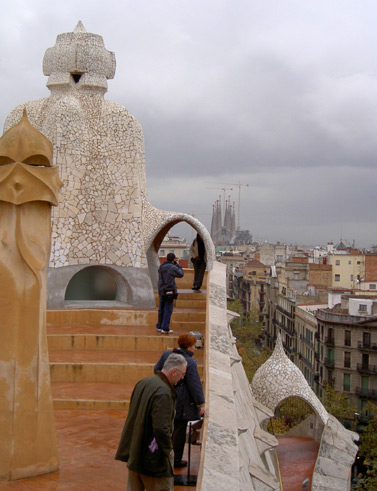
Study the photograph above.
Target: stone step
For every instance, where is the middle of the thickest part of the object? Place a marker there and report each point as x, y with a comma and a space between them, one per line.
98, 371
126, 338
122, 342
92, 395
124, 317
105, 356
188, 280
97, 355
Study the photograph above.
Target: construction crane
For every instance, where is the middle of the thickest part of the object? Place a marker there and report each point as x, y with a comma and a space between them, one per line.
223, 189
239, 184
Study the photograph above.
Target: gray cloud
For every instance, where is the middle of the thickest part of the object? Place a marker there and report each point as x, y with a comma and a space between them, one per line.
279, 95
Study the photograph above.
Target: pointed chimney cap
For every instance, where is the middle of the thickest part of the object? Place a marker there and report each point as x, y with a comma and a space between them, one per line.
24, 143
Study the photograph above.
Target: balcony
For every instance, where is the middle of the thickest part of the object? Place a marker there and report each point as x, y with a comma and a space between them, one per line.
330, 381
307, 362
289, 349
308, 342
371, 369
329, 363
368, 393
367, 347
330, 341
290, 332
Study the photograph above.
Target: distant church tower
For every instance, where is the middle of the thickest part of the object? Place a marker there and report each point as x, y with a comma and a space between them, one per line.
223, 233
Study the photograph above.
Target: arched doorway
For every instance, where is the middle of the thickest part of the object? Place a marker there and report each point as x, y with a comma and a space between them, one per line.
156, 239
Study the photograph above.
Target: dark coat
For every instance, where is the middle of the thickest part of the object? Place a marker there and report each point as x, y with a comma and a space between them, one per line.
150, 415
189, 390
167, 273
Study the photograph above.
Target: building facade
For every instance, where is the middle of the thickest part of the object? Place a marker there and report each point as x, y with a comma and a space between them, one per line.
347, 348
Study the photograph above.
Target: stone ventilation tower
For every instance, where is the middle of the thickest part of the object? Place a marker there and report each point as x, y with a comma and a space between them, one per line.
105, 233
28, 188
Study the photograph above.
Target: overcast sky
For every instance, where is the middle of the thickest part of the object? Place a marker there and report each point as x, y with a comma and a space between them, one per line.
279, 95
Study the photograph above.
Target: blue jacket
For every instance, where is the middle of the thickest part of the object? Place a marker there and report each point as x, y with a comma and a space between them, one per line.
167, 273
189, 390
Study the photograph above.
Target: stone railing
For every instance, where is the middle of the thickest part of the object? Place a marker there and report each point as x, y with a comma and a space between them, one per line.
237, 454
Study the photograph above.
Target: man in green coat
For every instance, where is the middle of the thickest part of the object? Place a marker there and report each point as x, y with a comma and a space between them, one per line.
146, 441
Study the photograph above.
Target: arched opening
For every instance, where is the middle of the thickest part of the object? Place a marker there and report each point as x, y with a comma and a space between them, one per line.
192, 227
289, 414
93, 283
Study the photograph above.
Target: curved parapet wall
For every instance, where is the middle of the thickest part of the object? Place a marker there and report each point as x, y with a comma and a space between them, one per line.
237, 454
284, 380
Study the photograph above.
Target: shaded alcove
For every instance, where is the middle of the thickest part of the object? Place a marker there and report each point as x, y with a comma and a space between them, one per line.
93, 283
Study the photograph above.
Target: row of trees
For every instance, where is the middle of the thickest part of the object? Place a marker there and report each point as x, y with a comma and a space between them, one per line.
248, 330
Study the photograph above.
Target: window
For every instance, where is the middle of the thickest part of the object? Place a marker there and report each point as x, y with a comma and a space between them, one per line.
337, 277
362, 308
347, 382
296, 276
347, 338
279, 258
349, 262
337, 262
365, 361
364, 385
162, 251
347, 359
372, 286
358, 262
366, 339
351, 277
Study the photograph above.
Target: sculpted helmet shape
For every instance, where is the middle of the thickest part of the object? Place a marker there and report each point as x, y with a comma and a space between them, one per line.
79, 58
24, 143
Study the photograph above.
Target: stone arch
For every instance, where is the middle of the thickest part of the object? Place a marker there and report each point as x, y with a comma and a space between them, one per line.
285, 380
157, 237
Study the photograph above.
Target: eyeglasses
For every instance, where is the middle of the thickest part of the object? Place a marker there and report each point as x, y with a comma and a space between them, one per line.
181, 372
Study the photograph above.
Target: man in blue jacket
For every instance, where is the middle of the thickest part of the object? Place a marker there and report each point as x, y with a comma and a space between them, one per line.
167, 291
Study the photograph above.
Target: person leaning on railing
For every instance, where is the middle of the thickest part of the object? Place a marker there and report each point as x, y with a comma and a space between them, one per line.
190, 396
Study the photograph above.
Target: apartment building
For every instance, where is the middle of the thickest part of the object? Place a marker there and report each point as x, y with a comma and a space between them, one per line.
348, 268
175, 244
347, 348
306, 326
249, 286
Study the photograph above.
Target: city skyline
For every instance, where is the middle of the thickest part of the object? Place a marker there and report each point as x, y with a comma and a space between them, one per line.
281, 97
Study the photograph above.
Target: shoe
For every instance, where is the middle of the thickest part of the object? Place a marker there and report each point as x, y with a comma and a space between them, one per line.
180, 463
159, 330
166, 332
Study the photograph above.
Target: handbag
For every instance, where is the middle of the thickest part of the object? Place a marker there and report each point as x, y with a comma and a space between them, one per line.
169, 294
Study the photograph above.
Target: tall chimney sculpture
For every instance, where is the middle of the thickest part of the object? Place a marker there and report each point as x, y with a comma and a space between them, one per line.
28, 188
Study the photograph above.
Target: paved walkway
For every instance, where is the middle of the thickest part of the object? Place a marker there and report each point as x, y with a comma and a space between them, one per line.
87, 442
297, 458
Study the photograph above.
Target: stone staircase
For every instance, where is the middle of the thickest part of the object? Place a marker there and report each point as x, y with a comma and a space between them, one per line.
97, 355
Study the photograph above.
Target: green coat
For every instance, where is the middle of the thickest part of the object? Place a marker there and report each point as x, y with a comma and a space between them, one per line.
151, 415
